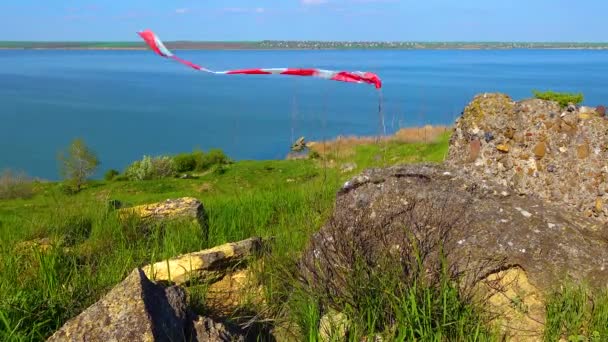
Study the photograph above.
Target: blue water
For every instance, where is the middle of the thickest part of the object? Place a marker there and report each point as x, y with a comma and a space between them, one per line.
129, 103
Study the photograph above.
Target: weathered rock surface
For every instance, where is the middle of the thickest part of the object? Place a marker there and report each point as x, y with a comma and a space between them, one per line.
42, 245
135, 310
205, 329
535, 147
208, 263
180, 208
544, 240
233, 291
491, 229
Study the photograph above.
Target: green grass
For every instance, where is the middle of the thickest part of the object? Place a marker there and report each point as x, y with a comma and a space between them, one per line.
288, 200
577, 314
562, 98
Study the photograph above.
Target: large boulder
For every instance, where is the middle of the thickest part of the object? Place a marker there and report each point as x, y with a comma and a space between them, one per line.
487, 232
536, 147
135, 310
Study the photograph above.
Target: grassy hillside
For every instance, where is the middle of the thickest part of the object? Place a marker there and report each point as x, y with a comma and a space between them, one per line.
42, 288
91, 250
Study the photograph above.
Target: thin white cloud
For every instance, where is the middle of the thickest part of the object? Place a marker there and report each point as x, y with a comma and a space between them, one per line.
181, 11
374, 1
313, 2
235, 9
258, 10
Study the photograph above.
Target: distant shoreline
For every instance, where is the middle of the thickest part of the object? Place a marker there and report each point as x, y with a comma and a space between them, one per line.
296, 49
301, 45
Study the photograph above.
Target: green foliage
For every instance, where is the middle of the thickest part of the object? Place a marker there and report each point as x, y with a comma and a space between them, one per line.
578, 314
67, 189
185, 162
15, 185
314, 155
151, 168
77, 163
110, 174
562, 98
204, 161
288, 200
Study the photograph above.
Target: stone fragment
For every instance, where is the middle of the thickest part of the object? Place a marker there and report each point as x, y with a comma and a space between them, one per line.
333, 327
474, 148
582, 151
180, 208
503, 148
599, 205
203, 264
540, 149
205, 329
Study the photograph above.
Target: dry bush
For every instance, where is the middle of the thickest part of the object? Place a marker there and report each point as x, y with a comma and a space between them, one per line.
15, 185
424, 134
343, 147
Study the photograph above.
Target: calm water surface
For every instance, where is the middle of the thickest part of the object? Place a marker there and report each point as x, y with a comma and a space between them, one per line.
129, 103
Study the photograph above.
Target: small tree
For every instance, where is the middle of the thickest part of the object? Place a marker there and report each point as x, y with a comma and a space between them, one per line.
77, 163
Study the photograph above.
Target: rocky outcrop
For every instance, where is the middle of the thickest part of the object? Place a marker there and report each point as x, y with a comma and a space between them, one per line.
208, 263
537, 148
135, 310
140, 310
171, 209
484, 228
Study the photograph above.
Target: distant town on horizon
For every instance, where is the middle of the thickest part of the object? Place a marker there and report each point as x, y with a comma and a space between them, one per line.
305, 45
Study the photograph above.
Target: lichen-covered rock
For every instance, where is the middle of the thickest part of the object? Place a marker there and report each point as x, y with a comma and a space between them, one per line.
205, 329
483, 227
537, 148
180, 208
43, 245
203, 264
135, 310
333, 327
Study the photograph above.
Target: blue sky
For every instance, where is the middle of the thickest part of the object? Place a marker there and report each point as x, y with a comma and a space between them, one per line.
404, 20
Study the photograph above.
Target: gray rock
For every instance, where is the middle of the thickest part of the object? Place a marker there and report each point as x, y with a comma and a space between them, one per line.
205, 329
135, 310
488, 232
348, 167
571, 107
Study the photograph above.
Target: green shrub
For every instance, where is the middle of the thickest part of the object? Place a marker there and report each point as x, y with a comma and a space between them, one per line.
110, 174
151, 168
121, 178
185, 162
77, 163
67, 189
15, 185
210, 159
562, 98
314, 155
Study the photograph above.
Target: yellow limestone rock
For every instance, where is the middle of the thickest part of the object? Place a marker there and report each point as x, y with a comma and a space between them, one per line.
503, 148
518, 305
205, 263
185, 207
235, 290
